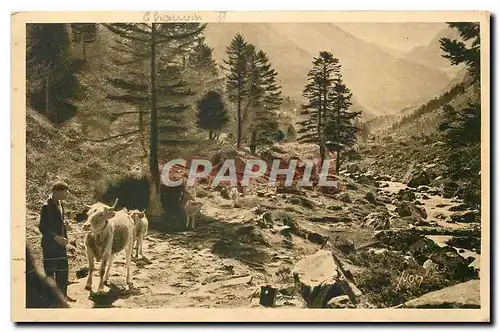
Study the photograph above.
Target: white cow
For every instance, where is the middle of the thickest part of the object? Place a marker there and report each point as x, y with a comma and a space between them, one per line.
111, 233
140, 230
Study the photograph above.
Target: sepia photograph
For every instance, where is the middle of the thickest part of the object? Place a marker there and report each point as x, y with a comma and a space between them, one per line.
280, 164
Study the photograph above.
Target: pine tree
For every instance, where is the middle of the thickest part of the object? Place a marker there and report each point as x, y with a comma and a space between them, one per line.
458, 52
320, 94
84, 33
52, 83
212, 114
461, 128
151, 62
237, 79
265, 118
340, 129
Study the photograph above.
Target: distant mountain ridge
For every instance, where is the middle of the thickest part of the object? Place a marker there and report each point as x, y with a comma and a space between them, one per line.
381, 82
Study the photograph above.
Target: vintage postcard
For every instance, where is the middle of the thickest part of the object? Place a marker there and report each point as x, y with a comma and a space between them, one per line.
251, 166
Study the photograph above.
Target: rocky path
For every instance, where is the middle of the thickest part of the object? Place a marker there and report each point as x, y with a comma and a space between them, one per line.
378, 230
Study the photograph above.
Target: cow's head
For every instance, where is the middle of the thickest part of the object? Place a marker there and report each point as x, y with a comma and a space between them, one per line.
98, 216
137, 215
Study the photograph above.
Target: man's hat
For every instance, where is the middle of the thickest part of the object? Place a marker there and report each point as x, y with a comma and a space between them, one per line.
60, 185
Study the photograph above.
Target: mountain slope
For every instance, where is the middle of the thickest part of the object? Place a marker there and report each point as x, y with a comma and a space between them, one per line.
431, 55
383, 83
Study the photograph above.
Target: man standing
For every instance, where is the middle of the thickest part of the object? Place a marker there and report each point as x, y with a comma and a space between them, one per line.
55, 237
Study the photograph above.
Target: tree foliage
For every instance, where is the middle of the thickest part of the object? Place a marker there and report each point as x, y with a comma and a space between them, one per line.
457, 51
329, 122
461, 128
212, 113
52, 82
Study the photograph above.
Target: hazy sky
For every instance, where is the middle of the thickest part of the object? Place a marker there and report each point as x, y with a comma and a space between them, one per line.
399, 36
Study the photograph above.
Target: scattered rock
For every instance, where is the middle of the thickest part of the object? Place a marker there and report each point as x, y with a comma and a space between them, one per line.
344, 197
82, 272
430, 267
466, 242
225, 193
425, 197
423, 249
449, 189
335, 208
463, 295
460, 207
377, 221
439, 215
467, 217
370, 197
452, 264
341, 301
353, 168
423, 189
385, 199
405, 209
406, 195
344, 245
419, 178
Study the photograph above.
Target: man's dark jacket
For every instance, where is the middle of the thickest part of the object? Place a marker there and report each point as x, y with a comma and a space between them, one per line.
52, 224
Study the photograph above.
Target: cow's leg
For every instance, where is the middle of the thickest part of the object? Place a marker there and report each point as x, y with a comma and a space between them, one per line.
193, 222
136, 241
141, 239
90, 257
110, 263
187, 221
102, 270
128, 253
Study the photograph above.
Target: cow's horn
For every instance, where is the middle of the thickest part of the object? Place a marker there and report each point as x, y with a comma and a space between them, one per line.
114, 205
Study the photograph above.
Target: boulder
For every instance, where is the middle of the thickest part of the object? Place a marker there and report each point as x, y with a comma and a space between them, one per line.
419, 178
377, 221
463, 295
466, 217
315, 277
370, 197
406, 209
452, 265
406, 195
405, 222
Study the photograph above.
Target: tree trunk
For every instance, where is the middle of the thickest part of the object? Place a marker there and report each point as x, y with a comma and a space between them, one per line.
153, 138
238, 120
337, 163
143, 138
